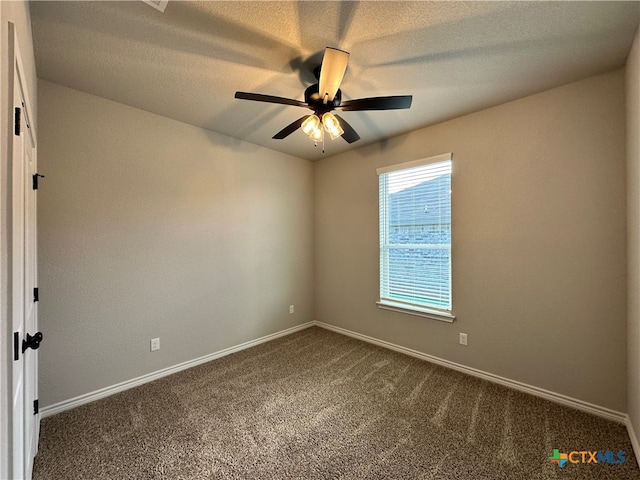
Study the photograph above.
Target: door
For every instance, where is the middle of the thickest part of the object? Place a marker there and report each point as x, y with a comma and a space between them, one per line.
30, 355
23, 264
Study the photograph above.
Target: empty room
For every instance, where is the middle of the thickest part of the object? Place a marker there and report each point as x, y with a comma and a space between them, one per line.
320, 240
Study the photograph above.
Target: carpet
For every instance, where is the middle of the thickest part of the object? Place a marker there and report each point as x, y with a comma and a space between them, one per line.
319, 405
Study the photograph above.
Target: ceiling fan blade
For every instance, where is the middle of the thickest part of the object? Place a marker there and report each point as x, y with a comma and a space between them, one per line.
289, 129
377, 103
350, 135
258, 97
334, 64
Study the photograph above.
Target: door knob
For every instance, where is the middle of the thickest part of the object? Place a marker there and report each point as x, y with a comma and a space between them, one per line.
32, 341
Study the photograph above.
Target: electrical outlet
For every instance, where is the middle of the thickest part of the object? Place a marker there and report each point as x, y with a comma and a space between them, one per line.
292, 309
155, 344
463, 339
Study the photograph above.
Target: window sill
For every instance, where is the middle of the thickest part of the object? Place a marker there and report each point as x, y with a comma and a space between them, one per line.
418, 311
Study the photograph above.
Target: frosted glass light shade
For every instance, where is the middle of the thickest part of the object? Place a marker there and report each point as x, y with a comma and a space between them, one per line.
311, 123
332, 125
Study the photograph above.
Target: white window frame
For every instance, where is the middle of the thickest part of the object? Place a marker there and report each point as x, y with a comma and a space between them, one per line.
428, 311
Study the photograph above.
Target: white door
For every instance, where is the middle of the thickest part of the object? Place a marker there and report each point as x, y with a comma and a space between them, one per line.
24, 441
30, 355
17, 299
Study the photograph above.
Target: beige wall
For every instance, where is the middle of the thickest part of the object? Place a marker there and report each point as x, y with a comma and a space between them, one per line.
633, 232
153, 228
539, 262
16, 12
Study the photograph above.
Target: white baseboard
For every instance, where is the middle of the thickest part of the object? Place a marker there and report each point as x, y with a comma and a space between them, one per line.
523, 387
634, 438
107, 391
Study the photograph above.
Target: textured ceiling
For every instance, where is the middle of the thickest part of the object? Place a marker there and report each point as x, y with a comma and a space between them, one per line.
453, 57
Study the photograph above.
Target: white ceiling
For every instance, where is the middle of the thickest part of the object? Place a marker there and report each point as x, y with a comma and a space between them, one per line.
453, 57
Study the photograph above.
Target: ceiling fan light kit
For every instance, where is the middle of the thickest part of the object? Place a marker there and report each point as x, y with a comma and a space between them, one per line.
325, 96
313, 126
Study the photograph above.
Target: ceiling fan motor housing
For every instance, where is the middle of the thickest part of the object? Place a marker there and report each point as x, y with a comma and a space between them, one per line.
314, 99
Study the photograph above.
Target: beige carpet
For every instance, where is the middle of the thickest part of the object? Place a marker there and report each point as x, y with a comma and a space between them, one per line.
318, 405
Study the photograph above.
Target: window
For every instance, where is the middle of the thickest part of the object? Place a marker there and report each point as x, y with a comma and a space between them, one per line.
415, 237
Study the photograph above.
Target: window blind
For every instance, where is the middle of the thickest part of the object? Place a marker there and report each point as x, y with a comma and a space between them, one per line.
415, 234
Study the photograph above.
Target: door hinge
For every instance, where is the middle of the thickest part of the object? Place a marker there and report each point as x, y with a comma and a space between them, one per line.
16, 125
36, 295
16, 346
35, 180
36, 407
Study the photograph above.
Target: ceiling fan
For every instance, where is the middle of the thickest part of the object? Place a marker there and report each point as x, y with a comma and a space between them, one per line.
325, 96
